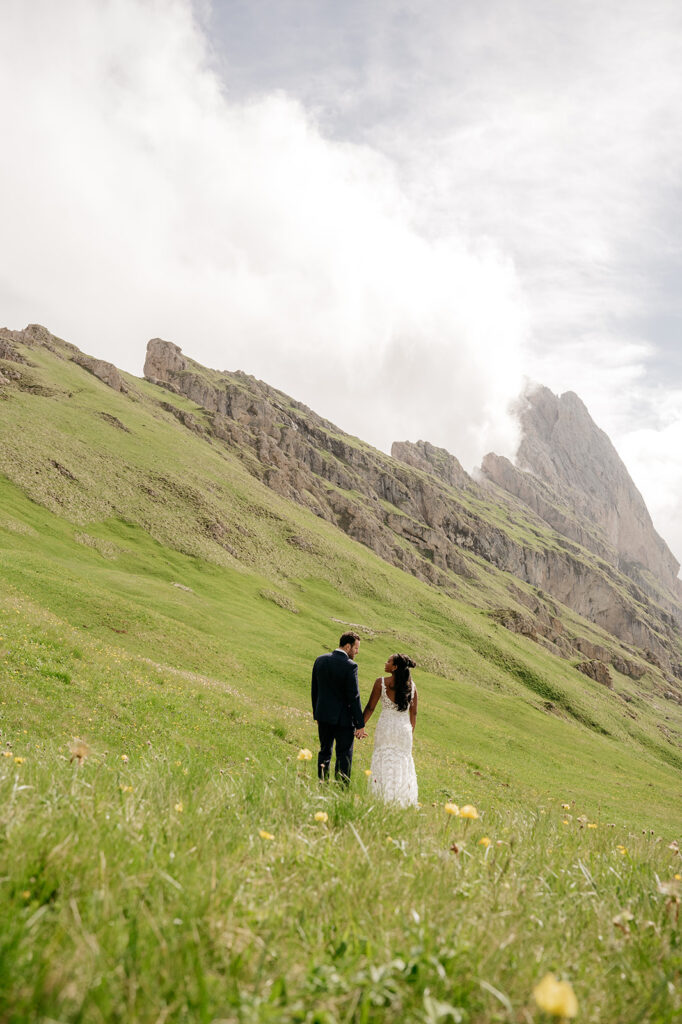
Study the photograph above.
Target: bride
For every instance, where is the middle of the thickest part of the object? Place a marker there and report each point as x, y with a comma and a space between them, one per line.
392, 772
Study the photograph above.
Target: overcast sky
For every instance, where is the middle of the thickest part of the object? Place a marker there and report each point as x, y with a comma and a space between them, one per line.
397, 212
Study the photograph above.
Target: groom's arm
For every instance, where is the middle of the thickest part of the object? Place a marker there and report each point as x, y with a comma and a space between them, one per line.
353, 697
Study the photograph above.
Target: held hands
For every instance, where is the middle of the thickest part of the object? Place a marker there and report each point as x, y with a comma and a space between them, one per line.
360, 734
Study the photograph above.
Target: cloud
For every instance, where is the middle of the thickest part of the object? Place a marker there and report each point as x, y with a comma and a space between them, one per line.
555, 133
463, 199
145, 202
652, 453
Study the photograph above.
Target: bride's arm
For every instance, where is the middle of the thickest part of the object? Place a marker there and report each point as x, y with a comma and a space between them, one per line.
373, 700
413, 710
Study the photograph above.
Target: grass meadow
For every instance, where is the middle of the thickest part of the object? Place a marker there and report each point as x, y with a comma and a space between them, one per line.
172, 867
166, 856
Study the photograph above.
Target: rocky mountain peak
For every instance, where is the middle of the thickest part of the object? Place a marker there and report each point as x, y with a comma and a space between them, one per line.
163, 357
430, 459
418, 509
562, 445
37, 336
569, 472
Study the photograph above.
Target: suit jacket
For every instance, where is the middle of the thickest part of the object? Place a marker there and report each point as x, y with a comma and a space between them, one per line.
335, 691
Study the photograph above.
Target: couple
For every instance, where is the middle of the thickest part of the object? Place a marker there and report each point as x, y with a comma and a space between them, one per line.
340, 719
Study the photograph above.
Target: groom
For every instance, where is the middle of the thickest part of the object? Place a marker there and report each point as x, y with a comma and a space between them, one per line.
336, 707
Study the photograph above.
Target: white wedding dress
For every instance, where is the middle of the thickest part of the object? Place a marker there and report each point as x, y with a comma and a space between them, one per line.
393, 777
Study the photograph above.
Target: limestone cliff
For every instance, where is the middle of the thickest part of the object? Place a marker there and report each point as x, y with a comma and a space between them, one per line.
422, 511
37, 335
569, 473
430, 459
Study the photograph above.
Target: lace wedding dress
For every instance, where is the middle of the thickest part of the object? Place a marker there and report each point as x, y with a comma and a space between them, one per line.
393, 776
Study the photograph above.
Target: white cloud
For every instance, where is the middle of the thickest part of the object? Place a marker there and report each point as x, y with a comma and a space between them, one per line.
554, 131
514, 190
652, 454
145, 203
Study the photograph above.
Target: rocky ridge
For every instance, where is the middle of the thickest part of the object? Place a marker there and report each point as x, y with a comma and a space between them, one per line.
37, 335
568, 472
422, 511
418, 509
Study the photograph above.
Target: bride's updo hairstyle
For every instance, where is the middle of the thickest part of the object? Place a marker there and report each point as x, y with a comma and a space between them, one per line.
403, 680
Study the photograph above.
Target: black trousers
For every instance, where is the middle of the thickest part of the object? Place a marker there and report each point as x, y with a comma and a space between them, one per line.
343, 736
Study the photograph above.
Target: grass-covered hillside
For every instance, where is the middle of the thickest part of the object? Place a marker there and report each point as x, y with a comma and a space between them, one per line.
162, 607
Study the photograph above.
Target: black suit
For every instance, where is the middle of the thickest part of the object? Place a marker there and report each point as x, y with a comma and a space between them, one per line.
337, 711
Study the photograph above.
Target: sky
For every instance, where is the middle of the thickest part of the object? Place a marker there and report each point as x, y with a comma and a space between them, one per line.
400, 213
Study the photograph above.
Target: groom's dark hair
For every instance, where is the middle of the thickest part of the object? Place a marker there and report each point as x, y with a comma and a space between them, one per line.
348, 638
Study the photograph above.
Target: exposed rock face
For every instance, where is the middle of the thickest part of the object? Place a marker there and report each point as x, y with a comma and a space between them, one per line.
628, 668
545, 502
598, 671
423, 496
306, 458
163, 358
35, 335
570, 474
420, 511
106, 372
432, 460
186, 418
8, 349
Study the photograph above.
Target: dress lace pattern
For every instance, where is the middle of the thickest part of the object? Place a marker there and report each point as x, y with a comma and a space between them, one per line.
393, 776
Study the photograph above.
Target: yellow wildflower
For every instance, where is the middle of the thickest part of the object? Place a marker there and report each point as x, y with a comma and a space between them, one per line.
556, 997
484, 842
452, 809
265, 835
565, 821
18, 760
389, 839
26, 894
126, 789
7, 753
468, 811
179, 807
565, 807
591, 825
321, 816
368, 772
305, 755
678, 878
124, 758
79, 750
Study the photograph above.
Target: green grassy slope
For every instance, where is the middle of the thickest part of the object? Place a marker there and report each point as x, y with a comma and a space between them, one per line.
160, 603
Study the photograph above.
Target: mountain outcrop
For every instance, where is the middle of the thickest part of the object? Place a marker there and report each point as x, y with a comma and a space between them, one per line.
541, 545
37, 335
430, 459
568, 472
422, 511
